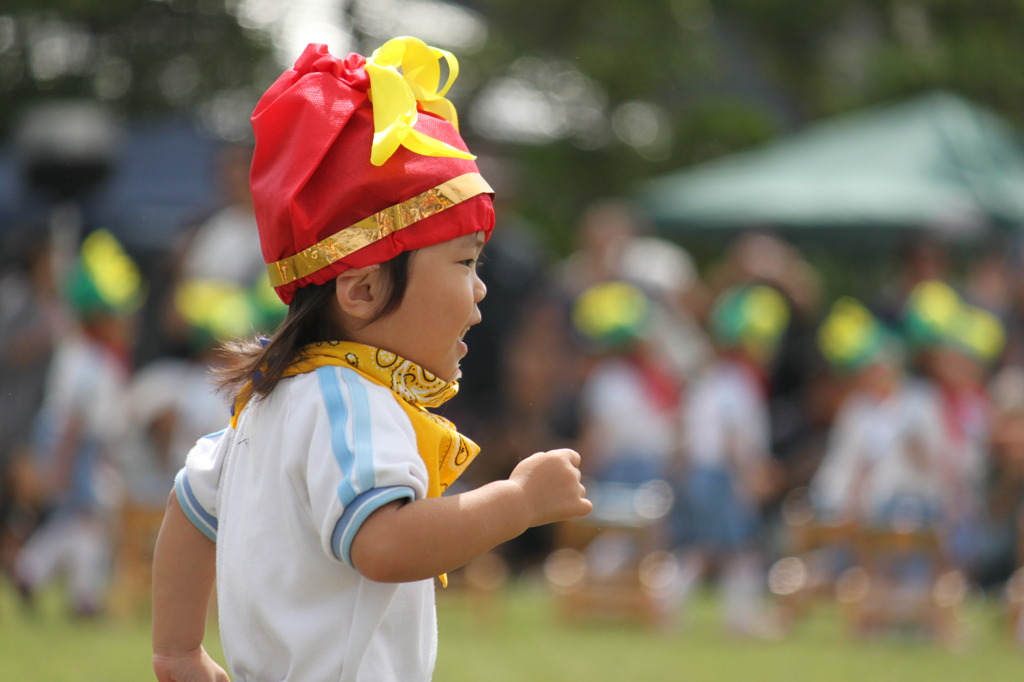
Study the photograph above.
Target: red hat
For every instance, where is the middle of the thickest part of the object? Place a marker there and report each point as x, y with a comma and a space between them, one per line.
358, 160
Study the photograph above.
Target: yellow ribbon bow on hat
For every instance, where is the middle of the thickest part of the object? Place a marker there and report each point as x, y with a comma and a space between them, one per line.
404, 72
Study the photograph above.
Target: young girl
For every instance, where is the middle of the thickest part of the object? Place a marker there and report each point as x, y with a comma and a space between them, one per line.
727, 447
318, 510
884, 464
77, 429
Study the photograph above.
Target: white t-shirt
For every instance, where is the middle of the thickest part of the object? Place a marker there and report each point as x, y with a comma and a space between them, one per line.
629, 422
283, 496
725, 408
901, 441
85, 379
184, 389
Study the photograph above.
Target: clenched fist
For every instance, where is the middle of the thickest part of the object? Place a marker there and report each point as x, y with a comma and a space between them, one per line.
551, 485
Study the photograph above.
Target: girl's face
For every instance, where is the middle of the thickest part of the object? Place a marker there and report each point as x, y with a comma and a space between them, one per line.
439, 306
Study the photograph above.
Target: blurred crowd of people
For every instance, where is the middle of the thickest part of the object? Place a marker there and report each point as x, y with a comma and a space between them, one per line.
736, 384
745, 387
105, 382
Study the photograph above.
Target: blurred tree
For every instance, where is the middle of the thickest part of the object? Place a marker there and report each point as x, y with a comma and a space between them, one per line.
674, 86
140, 56
590, 95
730, 74
834, 55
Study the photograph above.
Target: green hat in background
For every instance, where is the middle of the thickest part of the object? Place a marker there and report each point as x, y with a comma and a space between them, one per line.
214, 310
268, 309
612, 315
936, 315
752, 317
851, 337
218, 310
930, 314
105, 280
979, 333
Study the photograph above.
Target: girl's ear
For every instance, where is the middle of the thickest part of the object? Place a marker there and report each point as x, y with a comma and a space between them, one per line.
358, 291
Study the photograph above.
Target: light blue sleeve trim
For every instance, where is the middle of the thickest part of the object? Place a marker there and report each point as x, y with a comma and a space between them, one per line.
194, 511
215, 434
355, 459
362, 428
357, 512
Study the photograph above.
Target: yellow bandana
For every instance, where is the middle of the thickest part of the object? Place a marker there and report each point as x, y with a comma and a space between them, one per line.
444, 450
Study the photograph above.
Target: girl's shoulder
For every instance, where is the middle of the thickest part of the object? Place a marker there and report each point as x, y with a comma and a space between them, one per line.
336, 393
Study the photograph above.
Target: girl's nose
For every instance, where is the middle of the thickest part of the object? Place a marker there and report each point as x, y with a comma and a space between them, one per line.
479, 289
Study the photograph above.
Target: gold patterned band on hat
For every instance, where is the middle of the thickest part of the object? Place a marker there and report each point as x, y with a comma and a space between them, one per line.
379, 225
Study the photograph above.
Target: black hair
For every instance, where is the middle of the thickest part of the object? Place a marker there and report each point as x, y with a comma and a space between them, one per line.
311, 318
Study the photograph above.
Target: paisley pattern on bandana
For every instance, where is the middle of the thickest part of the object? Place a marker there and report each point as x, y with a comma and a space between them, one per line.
409, 381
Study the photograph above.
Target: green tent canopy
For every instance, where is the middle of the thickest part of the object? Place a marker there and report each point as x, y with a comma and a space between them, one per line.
936, 162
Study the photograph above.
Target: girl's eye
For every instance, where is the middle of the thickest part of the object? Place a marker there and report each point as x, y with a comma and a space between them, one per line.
473, 263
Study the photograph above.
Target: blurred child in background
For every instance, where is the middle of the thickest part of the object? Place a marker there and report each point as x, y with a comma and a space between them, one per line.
956, 345
630, 398
729, 470
998, 551
629, 424
173, 400
75, 480
886, 462
33, 317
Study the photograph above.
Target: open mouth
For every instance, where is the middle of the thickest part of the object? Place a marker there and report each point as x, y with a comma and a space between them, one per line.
465, 330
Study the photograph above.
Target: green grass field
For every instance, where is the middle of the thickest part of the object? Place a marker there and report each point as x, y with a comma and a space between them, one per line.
517, 638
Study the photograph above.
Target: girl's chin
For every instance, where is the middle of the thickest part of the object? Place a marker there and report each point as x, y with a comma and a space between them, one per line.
448, 374
455, 374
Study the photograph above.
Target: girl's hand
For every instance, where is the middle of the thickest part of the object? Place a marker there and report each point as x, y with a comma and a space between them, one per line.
551, 486
188, 666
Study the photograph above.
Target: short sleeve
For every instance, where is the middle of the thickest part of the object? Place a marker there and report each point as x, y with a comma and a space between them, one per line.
371, 458
197, 483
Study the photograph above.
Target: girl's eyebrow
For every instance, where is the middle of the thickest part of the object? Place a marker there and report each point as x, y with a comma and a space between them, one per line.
479, 242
